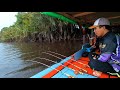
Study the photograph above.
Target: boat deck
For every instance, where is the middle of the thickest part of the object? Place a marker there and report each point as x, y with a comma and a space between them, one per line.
67, 68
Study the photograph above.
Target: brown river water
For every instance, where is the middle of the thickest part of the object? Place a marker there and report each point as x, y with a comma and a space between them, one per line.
16, 58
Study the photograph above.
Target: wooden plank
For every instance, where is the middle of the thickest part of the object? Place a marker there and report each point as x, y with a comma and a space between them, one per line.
83, 14
113, 17
69, 16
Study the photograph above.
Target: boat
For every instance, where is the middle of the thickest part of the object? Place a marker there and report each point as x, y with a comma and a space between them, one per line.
74, 66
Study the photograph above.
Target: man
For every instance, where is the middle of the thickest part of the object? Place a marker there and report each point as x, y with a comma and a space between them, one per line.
107, 46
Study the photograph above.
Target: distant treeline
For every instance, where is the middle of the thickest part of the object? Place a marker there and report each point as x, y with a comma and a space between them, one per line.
36, 27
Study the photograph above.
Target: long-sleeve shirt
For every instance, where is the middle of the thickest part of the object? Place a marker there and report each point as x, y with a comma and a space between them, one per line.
107, 45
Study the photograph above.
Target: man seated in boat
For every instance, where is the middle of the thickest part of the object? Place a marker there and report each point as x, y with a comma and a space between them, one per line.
107, 46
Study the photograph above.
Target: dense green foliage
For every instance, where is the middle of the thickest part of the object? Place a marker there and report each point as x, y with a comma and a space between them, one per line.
33, 26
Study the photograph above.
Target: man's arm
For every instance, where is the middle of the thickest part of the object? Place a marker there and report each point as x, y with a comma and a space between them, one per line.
107, 50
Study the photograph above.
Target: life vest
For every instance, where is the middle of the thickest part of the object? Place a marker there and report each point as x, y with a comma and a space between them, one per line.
115, 57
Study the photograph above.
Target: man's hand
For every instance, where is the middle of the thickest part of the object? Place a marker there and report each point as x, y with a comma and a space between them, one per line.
93, 46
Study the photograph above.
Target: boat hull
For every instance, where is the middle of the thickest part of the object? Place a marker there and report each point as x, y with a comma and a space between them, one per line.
69, 66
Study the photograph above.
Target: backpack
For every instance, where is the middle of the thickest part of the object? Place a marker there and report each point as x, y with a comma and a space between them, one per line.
115, 57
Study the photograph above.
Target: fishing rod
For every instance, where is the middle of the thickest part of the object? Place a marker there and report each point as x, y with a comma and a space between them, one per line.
75, 71
57, 54
66, 56
70, 76
114, 74
81, 69
52, 55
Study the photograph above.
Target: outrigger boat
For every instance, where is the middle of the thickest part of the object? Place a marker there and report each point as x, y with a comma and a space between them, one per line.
74, 66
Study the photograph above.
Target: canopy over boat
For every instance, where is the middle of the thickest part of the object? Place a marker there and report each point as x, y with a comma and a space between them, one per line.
85, 17
59, 16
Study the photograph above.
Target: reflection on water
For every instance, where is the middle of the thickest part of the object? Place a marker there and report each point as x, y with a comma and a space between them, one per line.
14, 57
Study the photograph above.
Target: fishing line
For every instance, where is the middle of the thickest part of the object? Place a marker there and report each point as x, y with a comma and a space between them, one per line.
68, 75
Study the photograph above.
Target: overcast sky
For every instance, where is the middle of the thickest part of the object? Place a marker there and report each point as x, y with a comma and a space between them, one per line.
7, 19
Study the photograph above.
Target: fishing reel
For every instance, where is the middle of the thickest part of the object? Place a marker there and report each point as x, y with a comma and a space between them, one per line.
95, 56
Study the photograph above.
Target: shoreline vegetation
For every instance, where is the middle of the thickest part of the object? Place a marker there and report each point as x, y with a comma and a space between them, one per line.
35, 27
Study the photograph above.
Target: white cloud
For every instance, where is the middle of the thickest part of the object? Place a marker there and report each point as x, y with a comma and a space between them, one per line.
7, 19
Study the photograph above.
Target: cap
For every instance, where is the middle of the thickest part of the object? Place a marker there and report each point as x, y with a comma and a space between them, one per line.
100, 21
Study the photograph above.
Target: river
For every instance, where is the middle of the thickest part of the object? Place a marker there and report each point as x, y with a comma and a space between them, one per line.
16, 58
